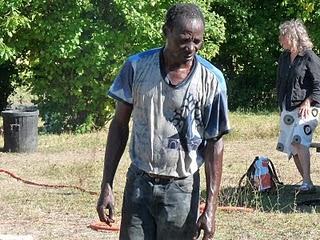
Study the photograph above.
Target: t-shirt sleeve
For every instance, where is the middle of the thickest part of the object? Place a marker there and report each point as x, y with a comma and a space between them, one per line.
121, 88
216, 119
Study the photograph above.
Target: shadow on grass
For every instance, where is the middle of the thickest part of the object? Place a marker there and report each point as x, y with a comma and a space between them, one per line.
284, 199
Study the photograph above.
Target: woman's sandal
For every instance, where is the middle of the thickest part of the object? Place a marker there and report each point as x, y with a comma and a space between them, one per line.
306, 188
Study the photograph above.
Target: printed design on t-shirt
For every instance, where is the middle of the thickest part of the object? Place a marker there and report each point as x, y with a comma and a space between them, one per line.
186, 119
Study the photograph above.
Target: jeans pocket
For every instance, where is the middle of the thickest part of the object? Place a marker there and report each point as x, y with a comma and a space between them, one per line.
184, 185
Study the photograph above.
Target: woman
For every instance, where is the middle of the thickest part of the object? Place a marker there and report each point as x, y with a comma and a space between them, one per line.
298, 89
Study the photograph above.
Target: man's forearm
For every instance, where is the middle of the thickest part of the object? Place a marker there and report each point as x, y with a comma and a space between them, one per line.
116, 143
213, 172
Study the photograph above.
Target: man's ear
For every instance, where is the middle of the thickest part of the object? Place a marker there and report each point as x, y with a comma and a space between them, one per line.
164, 30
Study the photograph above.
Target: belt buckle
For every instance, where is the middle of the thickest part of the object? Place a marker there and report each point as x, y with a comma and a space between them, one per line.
156, 178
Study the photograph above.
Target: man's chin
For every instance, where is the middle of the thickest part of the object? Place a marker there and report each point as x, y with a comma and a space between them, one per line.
187, 59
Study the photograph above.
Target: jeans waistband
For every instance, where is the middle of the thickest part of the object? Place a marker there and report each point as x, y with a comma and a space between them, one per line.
156, 178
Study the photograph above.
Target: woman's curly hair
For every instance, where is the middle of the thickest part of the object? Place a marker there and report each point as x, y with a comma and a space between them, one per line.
297, 33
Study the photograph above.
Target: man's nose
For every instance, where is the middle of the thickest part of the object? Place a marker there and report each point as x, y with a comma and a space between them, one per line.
190, 47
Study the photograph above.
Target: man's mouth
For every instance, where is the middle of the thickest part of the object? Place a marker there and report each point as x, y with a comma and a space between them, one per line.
189, 56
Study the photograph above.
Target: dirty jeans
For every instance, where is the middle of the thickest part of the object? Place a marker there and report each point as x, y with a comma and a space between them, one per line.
154, 209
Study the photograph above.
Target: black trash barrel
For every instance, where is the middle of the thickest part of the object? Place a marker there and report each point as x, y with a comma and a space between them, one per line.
20, 130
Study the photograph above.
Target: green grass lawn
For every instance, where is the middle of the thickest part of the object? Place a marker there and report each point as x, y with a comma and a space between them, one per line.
65, 213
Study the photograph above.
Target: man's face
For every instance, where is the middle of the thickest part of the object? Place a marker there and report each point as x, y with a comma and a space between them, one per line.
185, 39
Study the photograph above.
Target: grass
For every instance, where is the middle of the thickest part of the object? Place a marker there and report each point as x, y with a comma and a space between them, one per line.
65, 213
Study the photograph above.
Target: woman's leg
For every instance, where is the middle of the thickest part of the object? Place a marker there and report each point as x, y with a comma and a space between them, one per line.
302, 160
298, 164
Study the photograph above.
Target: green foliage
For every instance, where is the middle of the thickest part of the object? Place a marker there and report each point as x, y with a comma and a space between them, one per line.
309, 12
251, 50
70, 51
11, 21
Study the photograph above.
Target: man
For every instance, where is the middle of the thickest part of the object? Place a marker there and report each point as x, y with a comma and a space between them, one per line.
179, 111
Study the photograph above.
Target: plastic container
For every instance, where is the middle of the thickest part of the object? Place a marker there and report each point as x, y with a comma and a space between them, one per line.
20, 129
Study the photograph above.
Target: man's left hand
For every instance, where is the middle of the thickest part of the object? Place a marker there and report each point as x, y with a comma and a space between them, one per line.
206, 222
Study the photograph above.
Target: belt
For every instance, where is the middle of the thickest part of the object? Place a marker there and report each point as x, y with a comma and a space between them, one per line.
161, 178
155, 178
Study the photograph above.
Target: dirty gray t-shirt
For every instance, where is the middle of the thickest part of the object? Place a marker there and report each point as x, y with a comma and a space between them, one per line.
171, 124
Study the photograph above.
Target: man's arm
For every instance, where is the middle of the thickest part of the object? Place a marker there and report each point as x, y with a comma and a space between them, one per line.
213, 171
116, 143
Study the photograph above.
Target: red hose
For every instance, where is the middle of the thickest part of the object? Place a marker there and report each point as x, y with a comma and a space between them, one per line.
45, 185
101, 226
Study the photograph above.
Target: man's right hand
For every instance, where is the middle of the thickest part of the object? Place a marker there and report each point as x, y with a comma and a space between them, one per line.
105, 205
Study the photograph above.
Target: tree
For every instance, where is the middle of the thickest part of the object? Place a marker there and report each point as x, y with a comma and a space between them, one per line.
73, 49
11, 21
249, 55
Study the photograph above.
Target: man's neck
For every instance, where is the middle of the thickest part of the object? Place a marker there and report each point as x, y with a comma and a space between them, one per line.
171, 64
176, 72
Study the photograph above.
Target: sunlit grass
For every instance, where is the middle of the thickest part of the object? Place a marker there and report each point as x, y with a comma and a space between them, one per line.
69, 159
